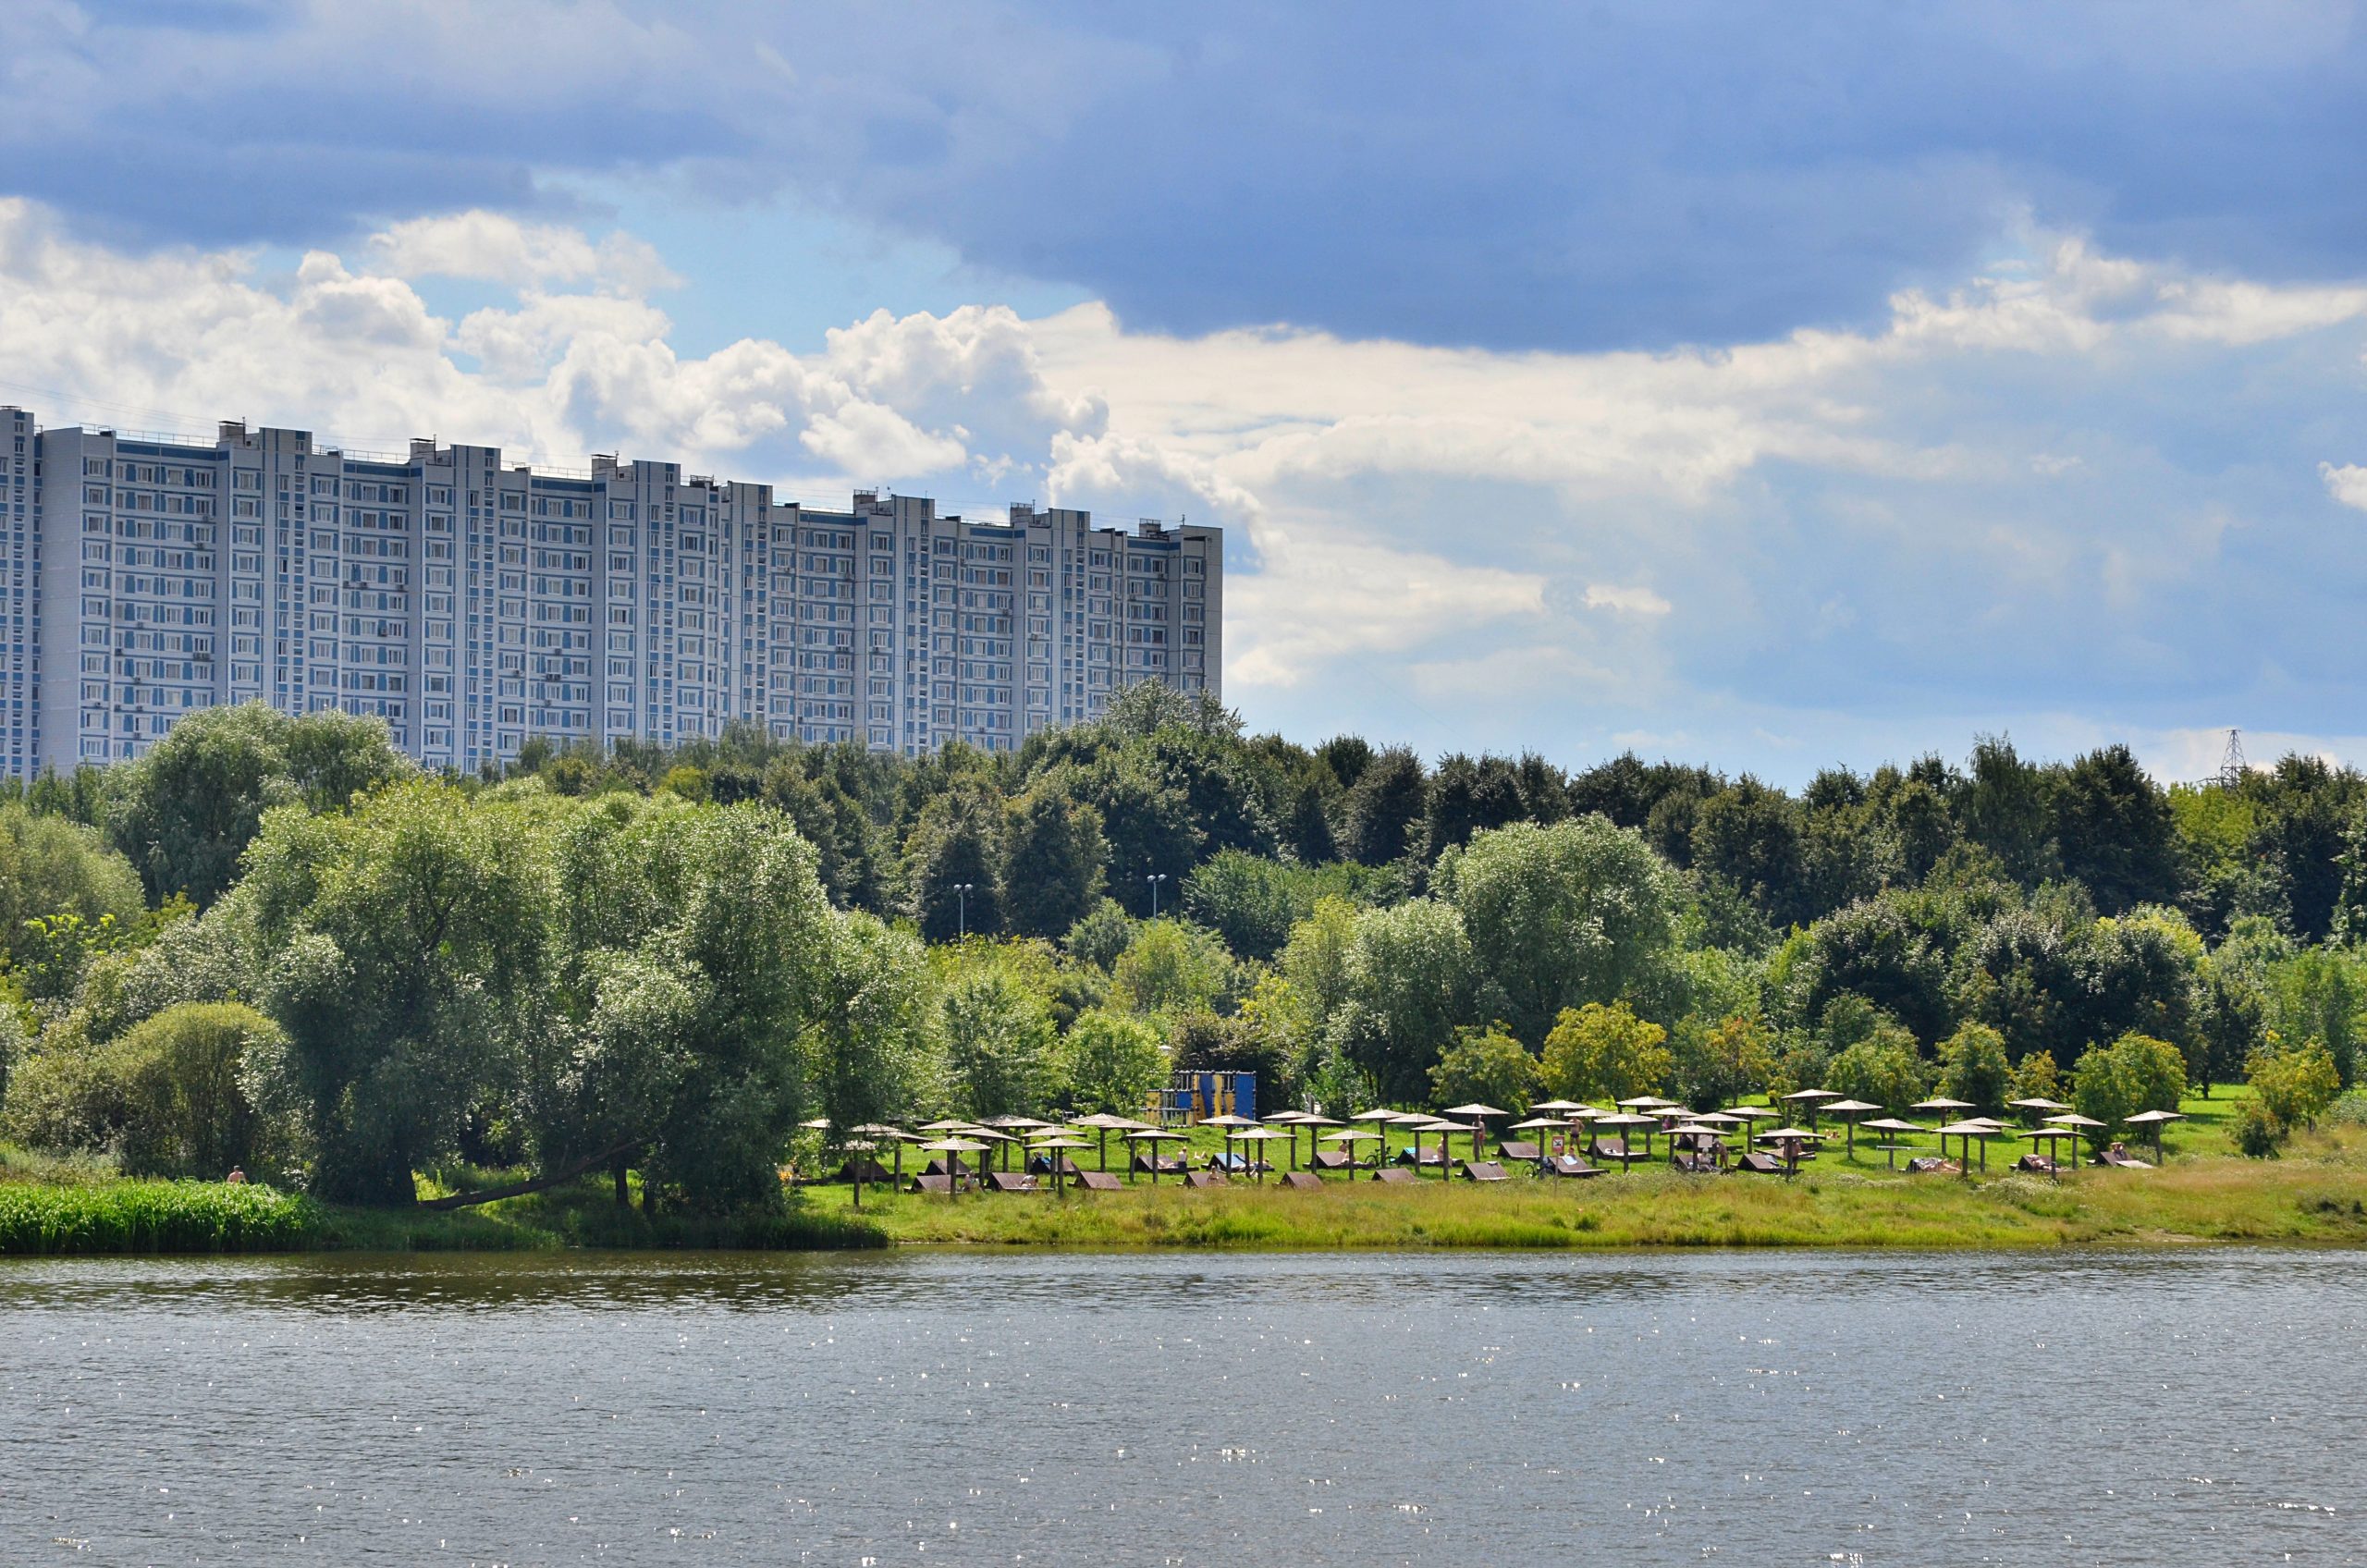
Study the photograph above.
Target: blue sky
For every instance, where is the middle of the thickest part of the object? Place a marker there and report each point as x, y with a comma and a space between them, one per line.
1770, 385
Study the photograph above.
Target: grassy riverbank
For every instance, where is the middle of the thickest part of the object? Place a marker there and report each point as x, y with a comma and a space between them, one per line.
2315, 1194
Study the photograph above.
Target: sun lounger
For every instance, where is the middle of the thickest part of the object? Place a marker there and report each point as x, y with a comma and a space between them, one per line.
1570, 1165
1098, 1181
1760, 1164
1393, 1173
1041, 1165
2125, 1161
926, 1183
1009, 1182
1612, 1148
1204, 1179
1483, 1170
1146, 1166
872, 1170
1426, 1158
2037, 1164
1331, 1160
1694, 1164
1516, 1148
1302, 1180
1931, 1165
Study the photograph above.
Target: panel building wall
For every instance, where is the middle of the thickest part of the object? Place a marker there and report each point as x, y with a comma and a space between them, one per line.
473, 604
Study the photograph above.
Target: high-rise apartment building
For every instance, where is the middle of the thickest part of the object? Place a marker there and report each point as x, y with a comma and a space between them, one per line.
473, 604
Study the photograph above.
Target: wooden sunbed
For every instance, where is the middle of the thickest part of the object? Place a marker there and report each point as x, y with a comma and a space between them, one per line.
1483, 1170
1426, 1158
1758, 1164
1570, 1165
1518, 1148
1331, 1160
1612, 1148
925, 1182
1393, 1173
1041, 1165
1146, 1166
1932, 1165
872, 1172
1098, 1181
1204, 1179
2037, 1164
1009, 1182
1302, 1181
2124, 1161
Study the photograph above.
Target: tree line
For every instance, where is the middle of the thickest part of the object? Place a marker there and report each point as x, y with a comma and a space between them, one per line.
274, 942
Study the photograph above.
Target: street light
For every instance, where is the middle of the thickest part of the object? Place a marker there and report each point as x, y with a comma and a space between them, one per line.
961, 904
1154, 882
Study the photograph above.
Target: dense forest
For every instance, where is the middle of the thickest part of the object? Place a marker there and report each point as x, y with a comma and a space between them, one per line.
274, 943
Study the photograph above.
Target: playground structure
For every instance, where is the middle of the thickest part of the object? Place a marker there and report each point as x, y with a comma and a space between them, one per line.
1194, 1096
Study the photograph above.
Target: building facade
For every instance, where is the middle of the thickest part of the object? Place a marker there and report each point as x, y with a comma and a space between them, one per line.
473, 604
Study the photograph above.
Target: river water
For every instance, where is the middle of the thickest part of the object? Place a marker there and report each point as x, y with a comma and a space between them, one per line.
2204, 1407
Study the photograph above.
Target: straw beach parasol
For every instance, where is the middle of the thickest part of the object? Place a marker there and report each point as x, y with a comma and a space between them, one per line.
2155, 1120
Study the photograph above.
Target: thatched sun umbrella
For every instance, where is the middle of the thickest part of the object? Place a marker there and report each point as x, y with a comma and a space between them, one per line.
1352, 1135
1103, 1125
1790, 1138
1965, 1132
2154, 1121
2053, 1138
2087, 1125
1807, 1100
1058, 1145
1380, 1119
954, 1149
1257, 1136
1479, 1114
1895, 1128
1314, 1123
1536, 1124
1154, 1136
1849, 1111
1648, 1124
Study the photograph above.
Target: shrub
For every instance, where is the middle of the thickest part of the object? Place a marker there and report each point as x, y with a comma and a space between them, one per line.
1973, 1067
2258, 1132
2296, 1084
1488, 1066
166, 1098
1605, 1053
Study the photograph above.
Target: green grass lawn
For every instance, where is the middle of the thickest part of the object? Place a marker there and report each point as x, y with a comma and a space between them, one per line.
2316, 1194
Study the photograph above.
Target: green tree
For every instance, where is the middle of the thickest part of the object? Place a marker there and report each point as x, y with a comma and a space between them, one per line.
1052, 861
1973, 1067
409, 937
2113, 830
50, 867
1102, 935
870, 1051
1112, 1063
1385, 807
953, 865
1882, 1069
2295, 1083
186, 812
1719, 1062
692, 950
1000, 1043
1174, 966
1579, 912
2134, 1072
1601, 1055
2033, 1078
1409, 985
1486, 1067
